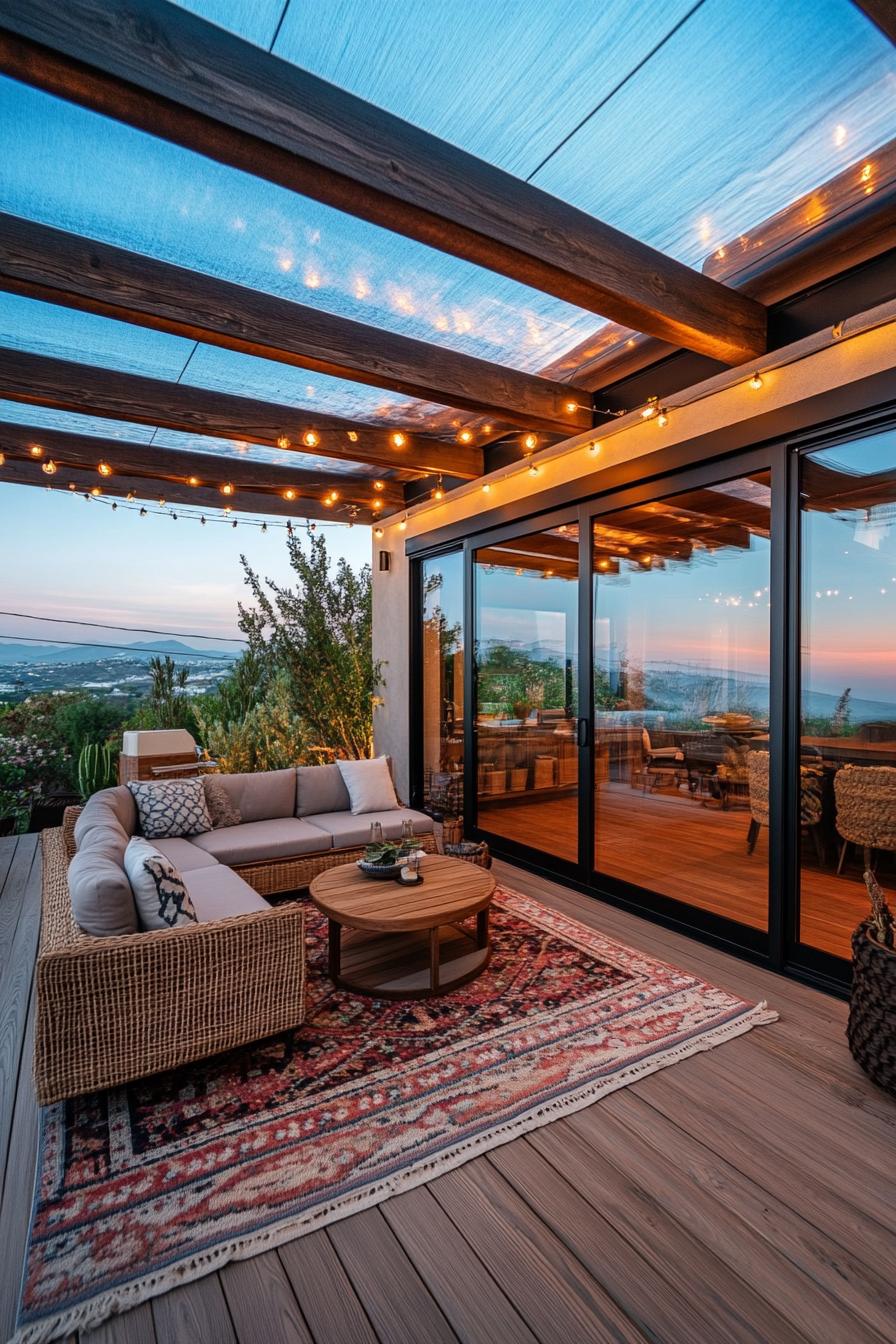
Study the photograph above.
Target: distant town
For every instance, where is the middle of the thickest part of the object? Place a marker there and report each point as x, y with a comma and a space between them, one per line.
120, 672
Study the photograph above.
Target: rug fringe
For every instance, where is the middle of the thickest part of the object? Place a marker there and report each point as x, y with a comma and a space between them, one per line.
123, 1298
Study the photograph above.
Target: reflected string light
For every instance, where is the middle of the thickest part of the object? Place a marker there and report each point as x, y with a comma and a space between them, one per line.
310, 438
49, 468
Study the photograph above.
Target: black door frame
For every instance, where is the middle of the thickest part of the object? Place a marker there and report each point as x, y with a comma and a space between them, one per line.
783, 950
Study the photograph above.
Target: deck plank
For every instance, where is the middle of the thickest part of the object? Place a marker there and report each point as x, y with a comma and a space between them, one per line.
394, 1296
261, 1301
196, 1312
443, 1259
324, 1291
133, 1327
559, 1299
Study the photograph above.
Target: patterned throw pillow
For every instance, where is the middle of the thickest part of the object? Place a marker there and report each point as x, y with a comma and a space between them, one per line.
160, 893
173, 808
221, 809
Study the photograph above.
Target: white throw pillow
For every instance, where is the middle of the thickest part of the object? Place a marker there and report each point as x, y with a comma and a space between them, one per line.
369, 784
160, 895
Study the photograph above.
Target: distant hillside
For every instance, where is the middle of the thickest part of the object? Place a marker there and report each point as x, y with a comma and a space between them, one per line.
140, 651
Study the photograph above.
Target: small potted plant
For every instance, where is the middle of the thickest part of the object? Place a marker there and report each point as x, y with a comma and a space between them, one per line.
382, 859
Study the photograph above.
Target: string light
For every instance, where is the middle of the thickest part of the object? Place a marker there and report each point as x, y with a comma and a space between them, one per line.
649, 410
289, 494
662, 419
594, 447
114, 505
486, 489
35, 450
161, 501
227, 509
72, 486
439, 492
202, 519
402, 526
466, 436
379, 485
234, 523
398, 439
376, 503
49, 468
193, 480
756, 382
533, 468
283, 441
352, 436
227, 488
143, 513
264, 527
327, 502
572, 406
530, 443
310, 438
2, 459
131, 495
104, 469
377, 531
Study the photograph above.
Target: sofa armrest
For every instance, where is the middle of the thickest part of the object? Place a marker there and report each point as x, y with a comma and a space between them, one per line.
110, 1010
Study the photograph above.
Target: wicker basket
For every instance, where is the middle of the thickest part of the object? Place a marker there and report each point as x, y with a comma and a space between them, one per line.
471, 851
519, 776
871, 1029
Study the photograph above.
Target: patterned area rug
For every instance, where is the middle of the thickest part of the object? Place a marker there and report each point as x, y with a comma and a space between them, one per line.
151, 1185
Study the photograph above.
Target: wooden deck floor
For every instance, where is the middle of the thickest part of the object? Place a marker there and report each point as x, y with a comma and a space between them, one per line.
747, 1194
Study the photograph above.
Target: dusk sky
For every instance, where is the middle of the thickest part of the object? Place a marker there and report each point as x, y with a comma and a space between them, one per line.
60, 556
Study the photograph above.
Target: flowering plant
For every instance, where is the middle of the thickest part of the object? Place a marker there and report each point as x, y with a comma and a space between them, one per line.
26, 768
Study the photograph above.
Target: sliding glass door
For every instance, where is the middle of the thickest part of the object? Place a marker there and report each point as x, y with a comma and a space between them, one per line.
681, 688
526, 595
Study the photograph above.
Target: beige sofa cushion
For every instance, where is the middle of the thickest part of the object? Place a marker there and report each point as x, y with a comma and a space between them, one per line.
348, 830
320, 788
219, 892
271, 793
278, 838
184, 854
112, 811
101, 896
369, 784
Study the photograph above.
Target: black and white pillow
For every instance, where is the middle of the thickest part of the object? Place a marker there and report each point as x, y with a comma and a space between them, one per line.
171, 808
160, 894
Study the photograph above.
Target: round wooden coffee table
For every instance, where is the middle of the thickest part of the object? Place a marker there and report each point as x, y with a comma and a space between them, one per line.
406, 942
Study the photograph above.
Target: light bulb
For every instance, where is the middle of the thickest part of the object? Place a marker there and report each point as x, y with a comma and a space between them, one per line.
376, 504
649, 410
49, 468
2, 459
572, 406
438, 493
131, 495
379, 485
289, 494
35, 450
227, 488
72, 486
352, 435
104, 469
227, 509
466, 436
161, 501
310, 439
334, 495
756, 382
662, 419
402, 526
377, 531
96, 491
486, 489
530, 442
327, 502
398, 439
594, 447
192, 480
283, 441
533, 469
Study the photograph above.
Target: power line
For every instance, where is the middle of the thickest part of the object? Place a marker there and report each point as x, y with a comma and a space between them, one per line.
130, 629
120, 648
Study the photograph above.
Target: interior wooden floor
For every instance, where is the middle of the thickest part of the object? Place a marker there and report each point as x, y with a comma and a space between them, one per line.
672, 844
747, 1194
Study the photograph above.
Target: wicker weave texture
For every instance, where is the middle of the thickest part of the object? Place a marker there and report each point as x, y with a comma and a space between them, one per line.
292, 874
866, 805
872, 1011
110, 1010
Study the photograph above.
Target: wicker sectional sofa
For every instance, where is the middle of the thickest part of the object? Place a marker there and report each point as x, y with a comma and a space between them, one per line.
115, 1004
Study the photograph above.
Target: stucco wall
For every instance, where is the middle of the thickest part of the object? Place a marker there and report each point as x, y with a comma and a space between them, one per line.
813, 373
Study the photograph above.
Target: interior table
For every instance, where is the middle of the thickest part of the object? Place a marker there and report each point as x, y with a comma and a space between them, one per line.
406, 941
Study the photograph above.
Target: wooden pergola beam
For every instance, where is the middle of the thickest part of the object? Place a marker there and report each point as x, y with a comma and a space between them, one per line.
146, 490
63, 268
162, 69
210, 470
882, 14
66, 385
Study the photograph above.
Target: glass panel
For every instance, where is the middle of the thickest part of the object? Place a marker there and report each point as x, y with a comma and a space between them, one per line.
681, 695
848, 745
526, 593
442, 581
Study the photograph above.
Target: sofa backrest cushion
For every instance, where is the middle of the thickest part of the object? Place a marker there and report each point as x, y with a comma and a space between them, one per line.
261, 797
101, 896
110, 809
320, 788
